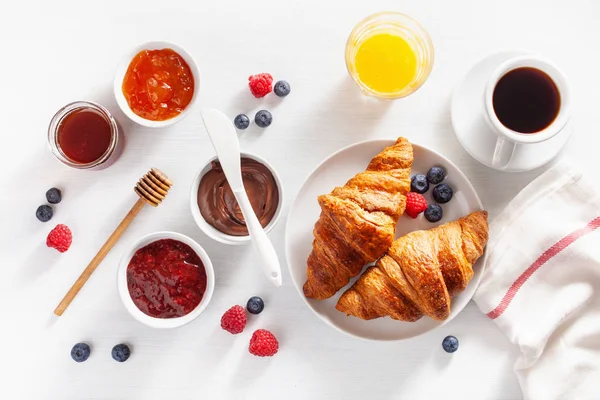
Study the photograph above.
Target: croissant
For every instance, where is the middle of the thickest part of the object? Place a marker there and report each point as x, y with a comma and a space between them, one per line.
420, 273
358, 221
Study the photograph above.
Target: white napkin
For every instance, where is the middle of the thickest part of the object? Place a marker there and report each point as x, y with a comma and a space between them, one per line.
542, 284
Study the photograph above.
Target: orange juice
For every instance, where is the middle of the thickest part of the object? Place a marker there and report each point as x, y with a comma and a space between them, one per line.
386, 63
389, 55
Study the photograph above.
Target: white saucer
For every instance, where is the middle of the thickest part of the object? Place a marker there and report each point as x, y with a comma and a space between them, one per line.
476, 136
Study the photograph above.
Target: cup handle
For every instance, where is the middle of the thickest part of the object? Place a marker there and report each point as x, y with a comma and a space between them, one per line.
503, 153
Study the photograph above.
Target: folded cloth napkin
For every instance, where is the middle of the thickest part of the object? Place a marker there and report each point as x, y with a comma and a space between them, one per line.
542, 284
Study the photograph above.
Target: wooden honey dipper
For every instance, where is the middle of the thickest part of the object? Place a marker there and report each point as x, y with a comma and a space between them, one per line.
152, 189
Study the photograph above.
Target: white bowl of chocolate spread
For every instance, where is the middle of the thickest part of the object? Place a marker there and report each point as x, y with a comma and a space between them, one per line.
215, 209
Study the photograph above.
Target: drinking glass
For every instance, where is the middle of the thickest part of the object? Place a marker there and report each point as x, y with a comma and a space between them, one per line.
398, 24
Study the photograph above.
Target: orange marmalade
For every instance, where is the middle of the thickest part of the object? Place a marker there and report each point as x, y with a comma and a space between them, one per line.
158, 84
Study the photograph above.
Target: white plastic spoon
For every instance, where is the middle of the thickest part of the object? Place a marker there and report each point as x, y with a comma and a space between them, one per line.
224, 139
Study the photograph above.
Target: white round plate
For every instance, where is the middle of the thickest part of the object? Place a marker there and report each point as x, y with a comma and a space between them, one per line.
476, 136
335, 171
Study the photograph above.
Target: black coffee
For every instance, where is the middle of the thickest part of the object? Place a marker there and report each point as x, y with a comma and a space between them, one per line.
526, 100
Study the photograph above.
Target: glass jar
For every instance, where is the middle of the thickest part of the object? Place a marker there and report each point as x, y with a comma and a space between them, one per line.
395, 24
114, 146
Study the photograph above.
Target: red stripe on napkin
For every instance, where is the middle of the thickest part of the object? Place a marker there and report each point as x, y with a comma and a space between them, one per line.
545, 257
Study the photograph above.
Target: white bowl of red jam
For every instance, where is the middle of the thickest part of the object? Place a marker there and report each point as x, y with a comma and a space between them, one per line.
157, 84
215, 209
165, 280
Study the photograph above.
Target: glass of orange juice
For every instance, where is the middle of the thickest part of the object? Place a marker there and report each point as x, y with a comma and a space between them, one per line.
389, 55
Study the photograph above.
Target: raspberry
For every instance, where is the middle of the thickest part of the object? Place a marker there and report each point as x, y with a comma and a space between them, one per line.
263, 343
260, 85
234, 320
60, 238
415, 204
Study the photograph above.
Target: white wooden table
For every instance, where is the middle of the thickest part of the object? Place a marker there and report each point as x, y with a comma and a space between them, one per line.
58, 51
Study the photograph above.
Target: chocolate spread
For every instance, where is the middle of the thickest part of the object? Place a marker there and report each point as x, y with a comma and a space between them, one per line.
218, 205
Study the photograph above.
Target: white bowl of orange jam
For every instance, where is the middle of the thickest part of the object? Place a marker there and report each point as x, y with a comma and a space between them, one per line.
156, 84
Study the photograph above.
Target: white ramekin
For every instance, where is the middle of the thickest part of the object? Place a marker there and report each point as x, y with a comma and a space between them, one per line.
164, 322
211, 231
122, 69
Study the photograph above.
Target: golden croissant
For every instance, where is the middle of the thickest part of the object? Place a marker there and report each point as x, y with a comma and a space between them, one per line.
420, 273
358, 221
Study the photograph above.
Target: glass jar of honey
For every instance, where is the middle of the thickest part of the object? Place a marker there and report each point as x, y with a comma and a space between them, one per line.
84, 135
389, 55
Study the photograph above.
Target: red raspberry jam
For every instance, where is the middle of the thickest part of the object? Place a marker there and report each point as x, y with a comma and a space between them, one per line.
166, 279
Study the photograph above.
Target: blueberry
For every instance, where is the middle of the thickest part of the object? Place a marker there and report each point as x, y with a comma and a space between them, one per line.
442, 193
450, 344
255, 305
44, 213
419, 184
54, 196
241, 121
434, 213
263, 118
121, 352
80, 352
282, 88
436, 175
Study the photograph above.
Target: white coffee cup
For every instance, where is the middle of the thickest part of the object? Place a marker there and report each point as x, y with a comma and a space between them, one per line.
508, 140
